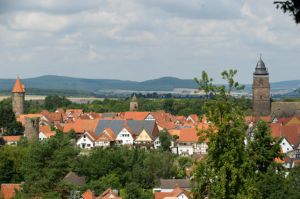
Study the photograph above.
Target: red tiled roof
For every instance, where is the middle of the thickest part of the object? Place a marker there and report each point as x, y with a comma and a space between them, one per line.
11, 138
80, 125
194, 117
291, 133
88, 194
107, 135
8, 190
164, 120
21, 118
109, 194
173, 194
134, 115
46, 130
18, 87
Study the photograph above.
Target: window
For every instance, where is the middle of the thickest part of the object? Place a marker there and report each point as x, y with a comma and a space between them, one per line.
88, 145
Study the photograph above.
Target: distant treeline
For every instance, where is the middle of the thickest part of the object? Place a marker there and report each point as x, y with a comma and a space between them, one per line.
175, 106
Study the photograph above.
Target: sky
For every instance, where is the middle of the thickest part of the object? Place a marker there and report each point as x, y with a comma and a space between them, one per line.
146, 39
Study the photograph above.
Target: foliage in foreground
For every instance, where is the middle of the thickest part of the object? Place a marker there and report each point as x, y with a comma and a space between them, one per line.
230, 169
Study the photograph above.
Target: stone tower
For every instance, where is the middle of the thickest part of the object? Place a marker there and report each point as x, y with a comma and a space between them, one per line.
261, 90
134, 105
18, 97
31, 131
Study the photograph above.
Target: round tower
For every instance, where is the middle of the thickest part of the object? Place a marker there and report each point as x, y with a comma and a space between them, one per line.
134, 106
18, 97
261, 90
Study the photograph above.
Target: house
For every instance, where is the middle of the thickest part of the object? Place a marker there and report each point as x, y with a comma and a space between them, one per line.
163, 120
130, 129
168, 185
49, 118
109, 194
125, 137
290, 135
193, 118
87, 140
8, 191
106, 138
188, 142
11, 139
45, 132
177, 193
88, 194
144, 138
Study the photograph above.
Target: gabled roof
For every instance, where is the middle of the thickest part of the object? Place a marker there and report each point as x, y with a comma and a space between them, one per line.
11, 138
109, 194
134, 115
73, 178
80, 126
171, 195
8, 190
46, 130
107, 135
18, 87
194, 118
291, 133
164, 120
88, 194
171, 183
135, 126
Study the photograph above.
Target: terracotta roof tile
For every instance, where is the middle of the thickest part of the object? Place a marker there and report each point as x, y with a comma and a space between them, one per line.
8, 190
46, 130
134, 115
18, 87
11, 138
173, 194
80, 126
88, 194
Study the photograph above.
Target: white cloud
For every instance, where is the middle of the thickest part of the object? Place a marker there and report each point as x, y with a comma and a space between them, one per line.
34, 21
142, 39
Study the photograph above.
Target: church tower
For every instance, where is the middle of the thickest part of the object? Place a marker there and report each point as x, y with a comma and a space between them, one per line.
261, 90
134, 106
18, 97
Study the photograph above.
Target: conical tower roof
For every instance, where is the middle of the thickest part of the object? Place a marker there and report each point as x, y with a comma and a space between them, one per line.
18, 87
134, 98
260, 68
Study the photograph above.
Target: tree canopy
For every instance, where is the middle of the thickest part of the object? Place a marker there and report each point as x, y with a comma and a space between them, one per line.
290, 6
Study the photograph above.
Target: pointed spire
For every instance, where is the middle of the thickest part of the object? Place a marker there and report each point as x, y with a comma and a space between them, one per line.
18, 87
260, 68
134, 98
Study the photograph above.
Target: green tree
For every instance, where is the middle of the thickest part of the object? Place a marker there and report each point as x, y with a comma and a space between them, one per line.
11, 158
293, 183
165, 140
53, 102
46, 164
290, 6
8, 123
109, 181
222, 174
263, 148
134, 191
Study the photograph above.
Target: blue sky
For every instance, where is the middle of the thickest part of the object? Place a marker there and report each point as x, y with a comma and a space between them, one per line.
145, 39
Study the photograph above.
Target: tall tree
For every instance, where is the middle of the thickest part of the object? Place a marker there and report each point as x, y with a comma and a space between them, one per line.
290, 6
46, 164
263, 148
222, 174
8, 123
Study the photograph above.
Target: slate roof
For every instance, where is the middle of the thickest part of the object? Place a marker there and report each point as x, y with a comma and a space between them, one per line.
136, 126
172, 183
73, 178
260, 68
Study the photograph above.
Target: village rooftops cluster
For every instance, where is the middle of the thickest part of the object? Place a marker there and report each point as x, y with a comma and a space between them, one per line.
131, 128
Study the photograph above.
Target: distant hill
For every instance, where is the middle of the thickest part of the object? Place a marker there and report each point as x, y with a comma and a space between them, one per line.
94, 85
52, 82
